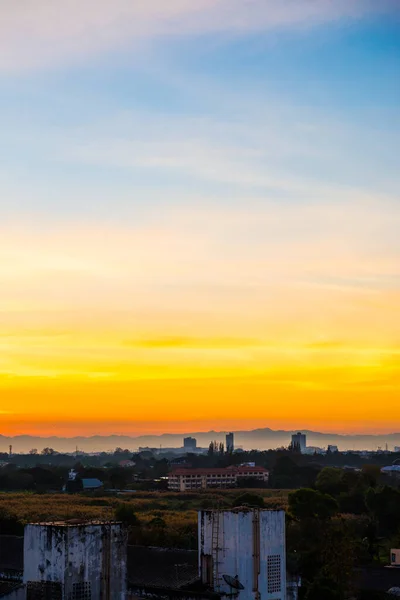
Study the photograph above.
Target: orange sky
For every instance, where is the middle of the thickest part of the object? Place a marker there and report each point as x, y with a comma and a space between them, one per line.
199, 216
91, 343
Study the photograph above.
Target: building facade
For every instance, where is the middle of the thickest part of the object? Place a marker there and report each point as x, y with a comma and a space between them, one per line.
299, 440
182, 479
189, 444
243, 553
230, 442
75, 561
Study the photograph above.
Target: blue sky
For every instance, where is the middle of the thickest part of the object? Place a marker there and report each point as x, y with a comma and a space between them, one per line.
296, 100
205, 170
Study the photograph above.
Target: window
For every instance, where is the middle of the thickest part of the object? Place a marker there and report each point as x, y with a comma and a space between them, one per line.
393, 557
43, 590
81, 591
274, 573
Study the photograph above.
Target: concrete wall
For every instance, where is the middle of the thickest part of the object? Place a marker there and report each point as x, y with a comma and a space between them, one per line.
251, 546
79, 557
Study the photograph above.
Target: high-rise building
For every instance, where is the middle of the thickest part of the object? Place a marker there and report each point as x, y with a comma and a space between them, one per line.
299, 440
189, 444
230, 442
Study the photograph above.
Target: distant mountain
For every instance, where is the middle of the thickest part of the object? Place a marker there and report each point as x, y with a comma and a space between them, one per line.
262, 439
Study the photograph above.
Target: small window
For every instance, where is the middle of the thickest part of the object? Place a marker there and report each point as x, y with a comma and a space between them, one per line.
393, 557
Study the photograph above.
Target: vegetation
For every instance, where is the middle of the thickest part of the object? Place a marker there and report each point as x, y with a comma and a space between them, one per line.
348, 520
338, 518
154, 517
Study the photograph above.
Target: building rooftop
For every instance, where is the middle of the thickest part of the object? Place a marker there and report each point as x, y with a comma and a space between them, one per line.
75, 523
91, 483
217, 471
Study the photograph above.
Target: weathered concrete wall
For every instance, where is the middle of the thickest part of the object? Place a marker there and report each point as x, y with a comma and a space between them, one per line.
87, 556
251, 546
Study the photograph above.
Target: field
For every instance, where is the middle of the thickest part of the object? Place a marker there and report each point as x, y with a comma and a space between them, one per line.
164, 517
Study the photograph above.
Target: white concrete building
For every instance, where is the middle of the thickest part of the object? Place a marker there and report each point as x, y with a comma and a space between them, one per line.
243, 552
75, 561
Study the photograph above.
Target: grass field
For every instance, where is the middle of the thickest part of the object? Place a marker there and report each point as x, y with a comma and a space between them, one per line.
177, 510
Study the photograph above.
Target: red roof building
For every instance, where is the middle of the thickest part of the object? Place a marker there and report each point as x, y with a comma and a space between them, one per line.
182, 479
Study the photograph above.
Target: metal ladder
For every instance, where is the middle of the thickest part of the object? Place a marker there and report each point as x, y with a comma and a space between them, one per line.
215, 549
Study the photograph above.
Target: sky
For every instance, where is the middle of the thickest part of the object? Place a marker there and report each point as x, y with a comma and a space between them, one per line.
199, 216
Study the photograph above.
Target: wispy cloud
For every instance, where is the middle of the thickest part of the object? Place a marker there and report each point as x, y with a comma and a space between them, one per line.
210, 343
42, 33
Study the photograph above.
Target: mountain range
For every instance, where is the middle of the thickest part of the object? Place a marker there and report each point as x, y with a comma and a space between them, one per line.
262, 439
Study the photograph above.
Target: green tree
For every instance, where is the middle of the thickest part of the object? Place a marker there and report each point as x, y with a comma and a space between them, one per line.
329, 481
371, 475
125, 513
306, 503
158, 523
48, 452
324, 588
248, 499
384, 504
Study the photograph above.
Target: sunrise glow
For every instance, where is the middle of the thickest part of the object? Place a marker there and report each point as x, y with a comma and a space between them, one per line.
208, 235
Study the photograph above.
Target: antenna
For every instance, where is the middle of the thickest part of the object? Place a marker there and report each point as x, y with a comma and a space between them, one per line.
233, 582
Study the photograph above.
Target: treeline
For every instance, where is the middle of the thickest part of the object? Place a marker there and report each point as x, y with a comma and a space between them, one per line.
288, 469
348, 520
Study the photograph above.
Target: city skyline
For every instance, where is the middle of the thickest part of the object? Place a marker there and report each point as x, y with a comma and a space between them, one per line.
199, 216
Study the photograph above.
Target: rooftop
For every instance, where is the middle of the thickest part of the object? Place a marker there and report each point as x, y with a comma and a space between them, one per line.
91, 483
75, 523
217, 471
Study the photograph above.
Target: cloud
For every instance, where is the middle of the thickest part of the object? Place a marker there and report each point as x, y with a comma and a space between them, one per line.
44, 33
188, 343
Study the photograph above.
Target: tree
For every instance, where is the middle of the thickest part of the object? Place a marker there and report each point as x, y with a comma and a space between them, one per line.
158, 523
249, 499
329, 481
306, 503
33, 451
294, 447
125, 513
213, 448
371, 475
324, 588
339, 553
384, 505
48, 451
